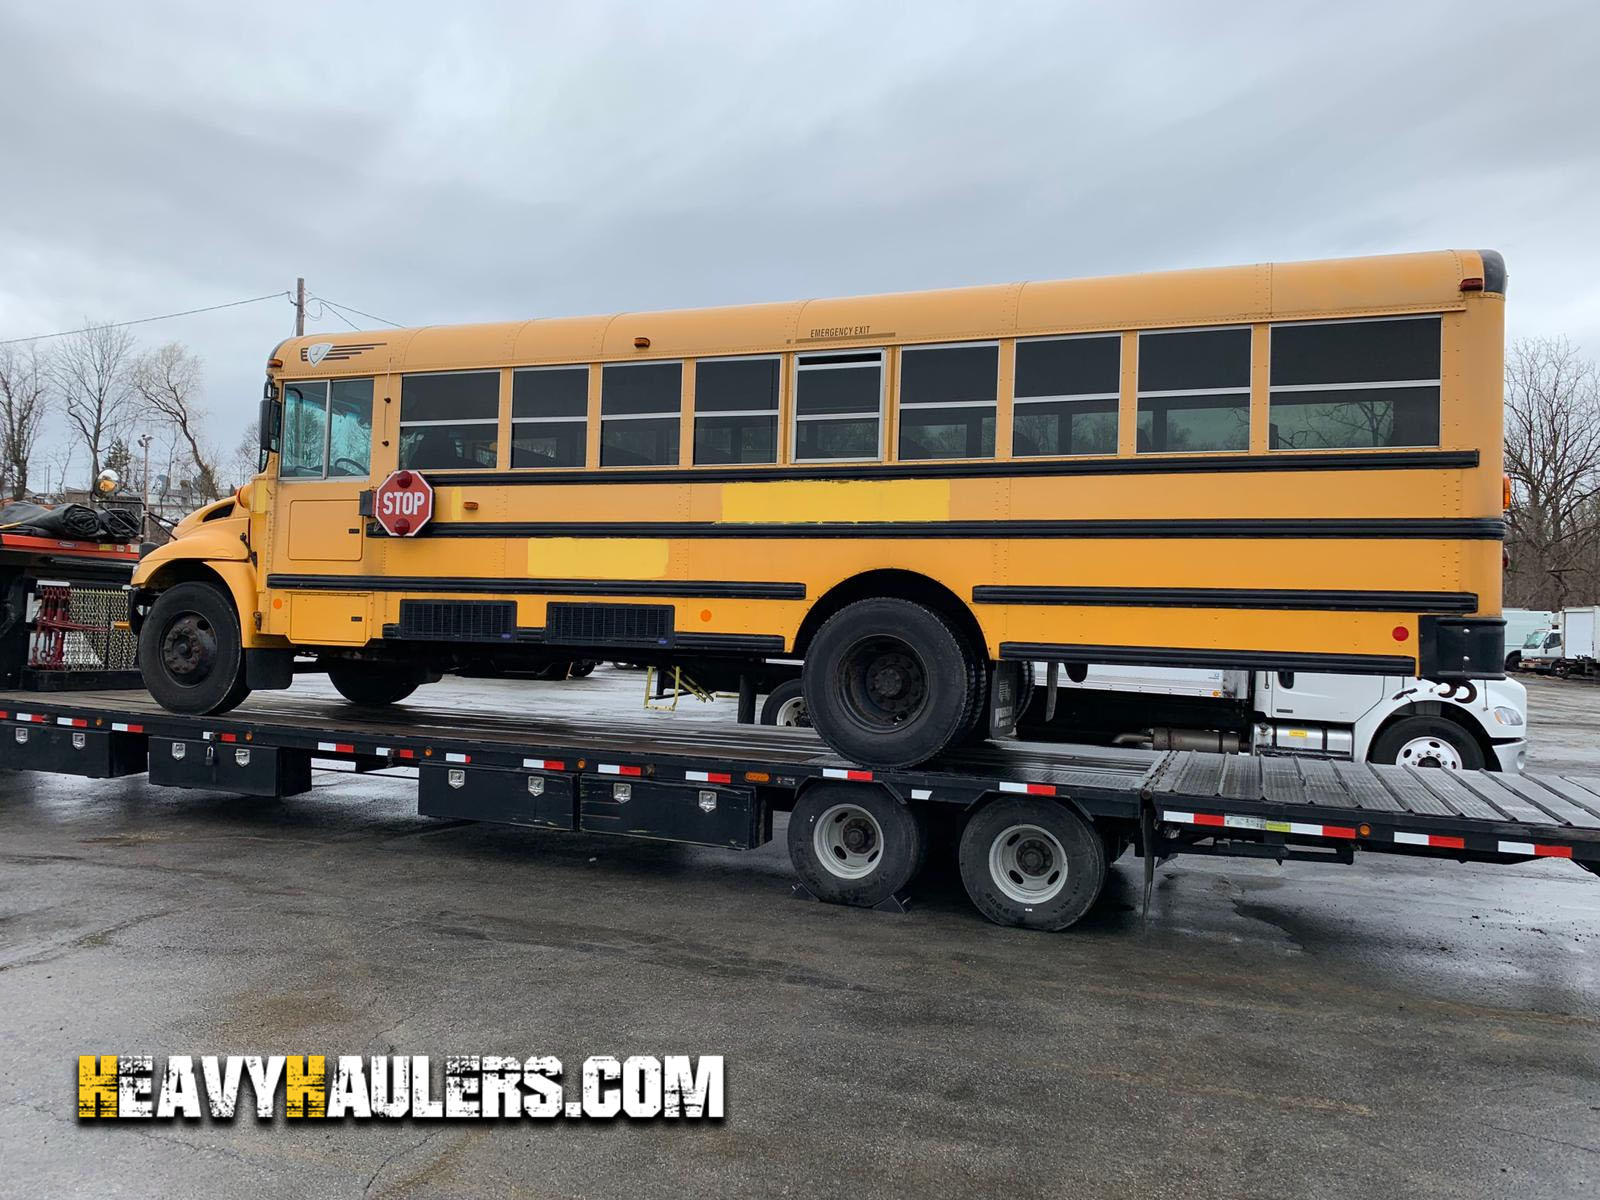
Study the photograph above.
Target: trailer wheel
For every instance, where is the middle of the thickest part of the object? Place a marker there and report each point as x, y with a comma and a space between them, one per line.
888, 683
372, 684
190, 650
785, 705
1032, 863
1428, 742
854, 844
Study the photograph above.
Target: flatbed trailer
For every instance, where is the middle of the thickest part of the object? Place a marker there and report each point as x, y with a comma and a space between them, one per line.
1037, 824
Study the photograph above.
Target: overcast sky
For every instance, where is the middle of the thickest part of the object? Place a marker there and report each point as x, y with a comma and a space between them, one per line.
438, 163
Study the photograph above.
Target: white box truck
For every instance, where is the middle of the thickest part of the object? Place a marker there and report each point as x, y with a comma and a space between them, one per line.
1566, 646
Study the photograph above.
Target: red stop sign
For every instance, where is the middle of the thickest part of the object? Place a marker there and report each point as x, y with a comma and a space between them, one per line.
403, 503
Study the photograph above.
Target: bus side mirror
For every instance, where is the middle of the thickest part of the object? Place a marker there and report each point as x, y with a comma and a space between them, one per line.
270, 420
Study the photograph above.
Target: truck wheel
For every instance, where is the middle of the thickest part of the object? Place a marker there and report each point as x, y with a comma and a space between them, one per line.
1561, 668
190, 651
888, 683
1032, 863
1428, 742
854, 844
1514, 660
372, 684
785, 705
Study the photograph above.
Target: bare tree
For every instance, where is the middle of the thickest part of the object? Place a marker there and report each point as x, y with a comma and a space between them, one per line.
92, 372
245, 460
1552, 414
24, 405
170, 384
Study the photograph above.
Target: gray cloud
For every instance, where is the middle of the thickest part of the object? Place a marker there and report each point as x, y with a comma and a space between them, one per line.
493, 162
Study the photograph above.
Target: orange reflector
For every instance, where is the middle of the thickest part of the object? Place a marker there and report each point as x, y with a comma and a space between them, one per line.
1505, 493
757, 777
1473, 283
1366, 830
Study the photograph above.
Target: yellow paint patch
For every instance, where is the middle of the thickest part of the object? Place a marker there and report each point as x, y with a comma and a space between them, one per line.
846, 500
598, 558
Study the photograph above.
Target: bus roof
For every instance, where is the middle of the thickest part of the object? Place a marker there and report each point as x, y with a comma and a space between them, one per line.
1398, 283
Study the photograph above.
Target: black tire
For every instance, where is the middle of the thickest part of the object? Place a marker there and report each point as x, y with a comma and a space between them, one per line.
190, 650
372, 684
1032, 863
889, 683
1561, 668
786, 701
583, 668
854, 843
1514, 660
1424, 741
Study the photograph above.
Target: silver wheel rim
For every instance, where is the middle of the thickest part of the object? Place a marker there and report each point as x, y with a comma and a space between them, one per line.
1028, 864
848, 841
792, 712
1429, 752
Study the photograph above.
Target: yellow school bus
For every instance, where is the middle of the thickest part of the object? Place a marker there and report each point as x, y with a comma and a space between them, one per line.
1279, 467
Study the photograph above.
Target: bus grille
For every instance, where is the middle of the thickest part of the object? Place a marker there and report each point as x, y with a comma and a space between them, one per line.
459, 620
608, 624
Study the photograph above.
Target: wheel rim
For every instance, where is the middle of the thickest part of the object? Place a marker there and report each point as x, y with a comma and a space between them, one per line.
885, 682
1028, 864
848, 841
792, 712
1429, 752
189, 649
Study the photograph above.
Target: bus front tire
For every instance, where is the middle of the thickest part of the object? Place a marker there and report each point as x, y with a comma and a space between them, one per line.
1032, 863
191, 652
372, 684
854, 844
889, 683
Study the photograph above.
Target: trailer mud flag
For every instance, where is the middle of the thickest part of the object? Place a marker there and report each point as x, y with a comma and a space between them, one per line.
393, 1087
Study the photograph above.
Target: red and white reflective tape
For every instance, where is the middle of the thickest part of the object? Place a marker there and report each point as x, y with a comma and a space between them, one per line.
836, 773
336, 747
616, 769
391, 752
1028, 789
544, 764
121, 727
1441, 840
1263, 824
1536, 849
708, 777
73, 722
460, 758
35, 718
229, 737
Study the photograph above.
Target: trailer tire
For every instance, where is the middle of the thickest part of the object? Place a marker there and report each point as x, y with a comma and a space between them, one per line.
372, 684
785, 705
889, 683
1032, 863
191, 653
1428, 742
854, 844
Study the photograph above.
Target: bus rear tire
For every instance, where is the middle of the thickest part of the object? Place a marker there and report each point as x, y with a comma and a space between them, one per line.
191, 653
372, 684
854, 843
889, 683
1032, 863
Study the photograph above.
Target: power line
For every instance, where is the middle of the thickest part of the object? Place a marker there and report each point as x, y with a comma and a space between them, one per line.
188, 312
359, 313
323, 308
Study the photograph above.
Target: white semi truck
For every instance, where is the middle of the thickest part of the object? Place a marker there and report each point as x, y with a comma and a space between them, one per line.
1363, 718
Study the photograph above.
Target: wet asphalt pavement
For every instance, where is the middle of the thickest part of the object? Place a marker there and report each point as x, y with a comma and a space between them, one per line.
1399, 1028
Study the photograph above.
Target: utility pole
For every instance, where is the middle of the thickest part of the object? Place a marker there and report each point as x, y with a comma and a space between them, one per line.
144, 511
299, 307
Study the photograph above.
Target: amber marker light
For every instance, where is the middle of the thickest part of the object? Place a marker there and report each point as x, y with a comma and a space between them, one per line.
1473, 283
641, 343
757, 777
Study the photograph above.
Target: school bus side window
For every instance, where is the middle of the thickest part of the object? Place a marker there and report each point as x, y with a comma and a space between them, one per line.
1194, 390
327, 429
450, 422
